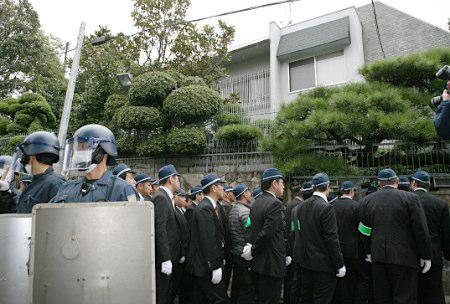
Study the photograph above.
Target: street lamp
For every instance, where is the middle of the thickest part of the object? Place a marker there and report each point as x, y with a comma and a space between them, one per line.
125, 80
101, 40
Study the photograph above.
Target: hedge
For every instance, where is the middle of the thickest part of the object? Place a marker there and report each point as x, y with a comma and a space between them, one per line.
238, 133
186, 141
126, 146
150, 89
193, 80
154, 146
113, 103
230, 119
138, 118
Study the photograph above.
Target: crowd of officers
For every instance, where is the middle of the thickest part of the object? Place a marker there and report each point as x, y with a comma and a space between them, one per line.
221, 243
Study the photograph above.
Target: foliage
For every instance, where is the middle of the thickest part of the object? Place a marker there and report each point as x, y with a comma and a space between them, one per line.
224, 119
191, 104
154, 146
126, 145
114, 103
193, 80
415, 70
28, 58
137, 119
9, 147
186, 141
264, 124
4, 125
151, 88
238, 133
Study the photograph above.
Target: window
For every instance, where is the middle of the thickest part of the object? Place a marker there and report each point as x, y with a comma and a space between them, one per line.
317, 71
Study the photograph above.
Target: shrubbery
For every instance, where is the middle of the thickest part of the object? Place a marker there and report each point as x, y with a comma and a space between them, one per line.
138, 119
238, 133
150, 89
154, 146
186, 141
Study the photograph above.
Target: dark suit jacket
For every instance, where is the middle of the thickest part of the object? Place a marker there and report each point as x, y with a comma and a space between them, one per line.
189, 212
438, 220
399, 227
267, 236
206, 246
168, 240
185, 231
317, 247
347, 221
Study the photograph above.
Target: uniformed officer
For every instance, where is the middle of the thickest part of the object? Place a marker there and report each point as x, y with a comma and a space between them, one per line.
267, 246
331, 197
404, 184
317, 249
256, 192
438, 220
144, 186
91, 150
353, 288
24, 181
124, 172
396, 240
7, 194
227, 203
228, 199
196, 196
242, 290
168, 235
205, 260
38, 152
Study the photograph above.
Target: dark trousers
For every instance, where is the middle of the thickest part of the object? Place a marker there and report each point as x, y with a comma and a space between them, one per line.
209, 293
182, 285
293, 292
430, 289
242, 290
227, 269
268, 289
394, 284
317, 287
354, 287
287, 285
163, 286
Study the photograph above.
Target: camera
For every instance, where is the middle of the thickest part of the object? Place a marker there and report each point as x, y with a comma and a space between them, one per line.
443, 73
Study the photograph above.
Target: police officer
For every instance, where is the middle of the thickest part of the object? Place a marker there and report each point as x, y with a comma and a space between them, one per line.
317, 250
7, 194
91, 150
267, 247
205, 260
144, 186
256, 193
196, 196
396, 238
353, 288
331, 197
438, 219
124, 172
40, 150
404, 184
24, 181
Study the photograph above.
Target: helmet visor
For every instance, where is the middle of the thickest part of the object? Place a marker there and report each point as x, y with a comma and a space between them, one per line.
78, 154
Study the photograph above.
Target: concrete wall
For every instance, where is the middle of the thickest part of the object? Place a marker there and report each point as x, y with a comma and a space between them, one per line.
258, 63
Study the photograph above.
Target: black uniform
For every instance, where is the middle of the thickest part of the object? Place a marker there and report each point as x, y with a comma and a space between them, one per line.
438, 219
206, 252
9, 200
168, 243
182, 286
354, 287
42, 189
228, 268
189, 212
317, 250
396, 237
268, 247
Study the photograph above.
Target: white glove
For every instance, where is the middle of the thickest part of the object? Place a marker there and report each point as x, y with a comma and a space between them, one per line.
288, 260
166, 267
4, 185
341, 272
247, 252
182, 260
368, 258
216, 276
426, 265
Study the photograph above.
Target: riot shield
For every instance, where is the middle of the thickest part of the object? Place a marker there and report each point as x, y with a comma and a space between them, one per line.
15, 235
100, 253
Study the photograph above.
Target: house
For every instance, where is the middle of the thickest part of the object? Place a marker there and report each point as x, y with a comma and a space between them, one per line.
324, 51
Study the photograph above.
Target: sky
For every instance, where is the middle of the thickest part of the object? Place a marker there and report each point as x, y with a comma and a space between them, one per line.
62, 18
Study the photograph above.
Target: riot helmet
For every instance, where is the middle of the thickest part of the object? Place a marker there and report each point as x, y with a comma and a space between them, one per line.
42, 144
5, 163
87, 147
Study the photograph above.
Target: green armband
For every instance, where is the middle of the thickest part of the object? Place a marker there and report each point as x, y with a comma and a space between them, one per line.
249, 223
293, 225
298, 224
367, 231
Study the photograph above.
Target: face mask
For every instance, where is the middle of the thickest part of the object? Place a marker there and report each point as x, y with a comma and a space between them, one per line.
83, 159
28, 168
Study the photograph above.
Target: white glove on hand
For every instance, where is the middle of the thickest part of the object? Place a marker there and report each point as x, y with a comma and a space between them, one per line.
166, 267
182, 260
4, 185
368, 258
216, 276
426, 265
247, 252
341, 272
288, 261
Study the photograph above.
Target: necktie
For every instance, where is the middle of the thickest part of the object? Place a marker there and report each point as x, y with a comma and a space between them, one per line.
216, 209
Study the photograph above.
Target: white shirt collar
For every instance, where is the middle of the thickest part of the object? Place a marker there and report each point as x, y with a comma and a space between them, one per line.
169, 193
141, 198
345, 196
420, 189
390, 186
320, 194
213, 202
273, 194
195, 203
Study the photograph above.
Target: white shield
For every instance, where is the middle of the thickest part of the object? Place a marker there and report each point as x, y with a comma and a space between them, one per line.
100, 253
15, 235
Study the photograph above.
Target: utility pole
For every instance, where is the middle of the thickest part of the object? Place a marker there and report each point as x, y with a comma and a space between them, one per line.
65, 117
65, 55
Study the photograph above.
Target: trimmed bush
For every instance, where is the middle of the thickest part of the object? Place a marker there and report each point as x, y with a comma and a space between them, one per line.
177, 76
230, 119
14, 128
4, 122
191, 104
186, 141
238, 133
150, 89
193, 80
126, 146
113, 103
154, 146
36, 125
138, 118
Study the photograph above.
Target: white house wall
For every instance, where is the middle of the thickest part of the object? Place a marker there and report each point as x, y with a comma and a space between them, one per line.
258, 63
